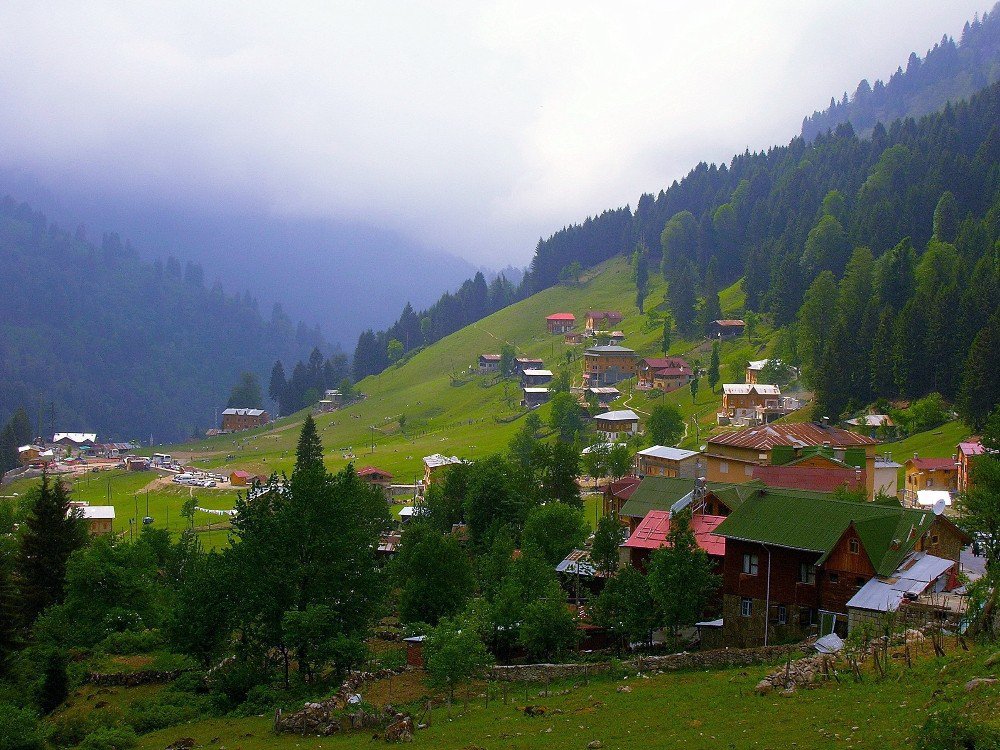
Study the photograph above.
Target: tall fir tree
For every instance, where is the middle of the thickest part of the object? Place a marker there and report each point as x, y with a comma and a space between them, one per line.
51, 534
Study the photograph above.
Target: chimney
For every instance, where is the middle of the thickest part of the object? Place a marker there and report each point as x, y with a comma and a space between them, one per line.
826, 421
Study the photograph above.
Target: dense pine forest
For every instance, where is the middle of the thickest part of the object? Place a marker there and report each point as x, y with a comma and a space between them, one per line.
878, 255
948, 72
92, 338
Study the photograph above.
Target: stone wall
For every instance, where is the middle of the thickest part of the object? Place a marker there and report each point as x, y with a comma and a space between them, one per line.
133, 679
714, 659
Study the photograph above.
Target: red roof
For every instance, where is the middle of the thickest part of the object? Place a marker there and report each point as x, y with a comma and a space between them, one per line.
651, 533
623, 488
933, 464
729, 322
371, 471
561, 316
658, 363
971, 448
809, 477
608, 314
798, 435
669, 371
240, 473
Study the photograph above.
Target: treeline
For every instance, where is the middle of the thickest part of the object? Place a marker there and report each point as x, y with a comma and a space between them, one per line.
948, 72
474, 300
309, 380
93, 338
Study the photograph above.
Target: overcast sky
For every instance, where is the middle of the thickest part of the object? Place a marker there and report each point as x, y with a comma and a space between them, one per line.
474, 127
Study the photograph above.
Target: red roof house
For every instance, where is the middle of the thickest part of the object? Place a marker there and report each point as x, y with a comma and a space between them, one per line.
560, 322
815, 478
652, 531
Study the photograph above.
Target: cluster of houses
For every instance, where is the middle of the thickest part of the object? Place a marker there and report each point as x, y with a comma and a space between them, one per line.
794, 556
69, 448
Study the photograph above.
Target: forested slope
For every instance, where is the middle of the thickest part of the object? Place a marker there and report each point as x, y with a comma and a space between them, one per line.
95, 339
948, 72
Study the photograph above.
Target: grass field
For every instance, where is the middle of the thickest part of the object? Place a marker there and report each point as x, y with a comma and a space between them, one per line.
450, 410
711, 709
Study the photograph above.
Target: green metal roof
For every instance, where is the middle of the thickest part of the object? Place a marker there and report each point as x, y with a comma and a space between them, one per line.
660, 493
818, 522
656, 493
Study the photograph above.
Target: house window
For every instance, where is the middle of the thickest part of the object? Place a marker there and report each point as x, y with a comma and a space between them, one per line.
934, 539
746, 607
748, 470
859, 581
854, 546
835, 578
750, 564
807, 573
723, 468
782, 614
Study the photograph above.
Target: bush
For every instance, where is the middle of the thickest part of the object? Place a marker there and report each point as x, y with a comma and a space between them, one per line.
109, 738
949, 730
169, 707
132, 642
19, 729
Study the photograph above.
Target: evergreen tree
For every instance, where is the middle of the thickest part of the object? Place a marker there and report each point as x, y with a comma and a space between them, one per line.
980, 392
15, 433
665, 341
694, 388
682, 297
713, 367
55, 683
278, 385
51, 534
246, 393
946, 218
640, 275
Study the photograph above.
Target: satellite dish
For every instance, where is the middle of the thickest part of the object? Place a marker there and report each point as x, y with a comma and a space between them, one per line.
939, 507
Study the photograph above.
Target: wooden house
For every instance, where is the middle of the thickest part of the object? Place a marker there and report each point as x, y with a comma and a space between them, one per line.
137, 463
674, 493
929, 474
966, 454
726, 329
749, 404
651, 534
527, 363
732, 456
671, 372
536, 377
560, 322
607, 365
532, 396
375, 476
616, 338
602, 320
239, 478
666, 461
435, 465
605, 394
235, 420
99, 519
489, 363
793, 561
617, 493
617, 425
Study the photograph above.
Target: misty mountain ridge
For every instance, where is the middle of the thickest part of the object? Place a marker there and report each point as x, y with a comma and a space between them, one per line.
343, 276
948, 72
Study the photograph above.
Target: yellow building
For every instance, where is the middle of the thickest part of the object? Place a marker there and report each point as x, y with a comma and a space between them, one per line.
732, 456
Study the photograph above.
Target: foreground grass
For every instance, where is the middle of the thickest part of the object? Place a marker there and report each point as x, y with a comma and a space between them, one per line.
716, 709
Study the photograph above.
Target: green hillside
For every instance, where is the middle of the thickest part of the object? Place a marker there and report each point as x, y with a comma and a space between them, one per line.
449, 410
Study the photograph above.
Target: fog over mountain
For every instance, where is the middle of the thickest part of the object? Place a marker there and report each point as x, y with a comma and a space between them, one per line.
295, 151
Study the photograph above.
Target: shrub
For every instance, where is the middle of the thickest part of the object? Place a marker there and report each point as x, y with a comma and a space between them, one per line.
19, 729
109, 738
132, 642
949, 730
